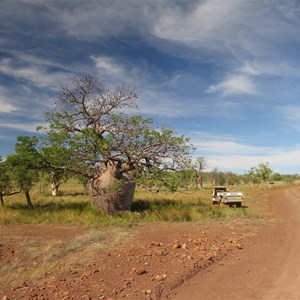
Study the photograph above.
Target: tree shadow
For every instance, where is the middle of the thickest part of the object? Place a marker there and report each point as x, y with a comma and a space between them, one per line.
143, 205
71, 194
53, 206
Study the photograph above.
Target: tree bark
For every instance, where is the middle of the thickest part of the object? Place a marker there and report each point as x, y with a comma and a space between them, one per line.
28, 199
1, 199
199, 181
110, 194
54, 188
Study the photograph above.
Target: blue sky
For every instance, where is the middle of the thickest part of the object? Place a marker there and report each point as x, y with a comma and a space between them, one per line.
224, 73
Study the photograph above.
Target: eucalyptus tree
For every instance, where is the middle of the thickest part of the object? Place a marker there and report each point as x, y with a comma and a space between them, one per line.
50, 157
5, 181
265, 173
200, 165
24, 165
96, 138
261, 173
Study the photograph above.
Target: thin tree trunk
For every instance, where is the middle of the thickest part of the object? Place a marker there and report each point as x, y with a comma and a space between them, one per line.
54, 189
201, 181
1, 199
28, 199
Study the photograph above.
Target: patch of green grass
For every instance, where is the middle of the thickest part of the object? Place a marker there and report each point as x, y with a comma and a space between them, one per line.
73, 207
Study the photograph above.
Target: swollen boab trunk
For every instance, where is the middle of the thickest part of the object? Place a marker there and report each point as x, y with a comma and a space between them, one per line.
110, 194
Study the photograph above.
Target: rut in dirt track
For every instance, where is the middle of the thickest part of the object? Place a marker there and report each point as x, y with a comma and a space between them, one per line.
268, 268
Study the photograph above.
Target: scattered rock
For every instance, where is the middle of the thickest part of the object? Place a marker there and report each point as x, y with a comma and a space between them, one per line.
177, 256
239, 246
176, 245
159, 278
140, 271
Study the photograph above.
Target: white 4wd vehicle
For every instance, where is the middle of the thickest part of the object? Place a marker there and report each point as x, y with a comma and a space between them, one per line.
222, 195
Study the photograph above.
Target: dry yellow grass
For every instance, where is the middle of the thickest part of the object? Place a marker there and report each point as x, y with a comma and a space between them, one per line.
72, 206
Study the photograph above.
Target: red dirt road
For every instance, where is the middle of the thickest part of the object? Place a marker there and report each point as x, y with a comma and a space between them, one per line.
267, 268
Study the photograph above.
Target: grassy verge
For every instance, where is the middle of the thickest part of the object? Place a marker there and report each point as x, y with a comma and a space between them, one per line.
73, 207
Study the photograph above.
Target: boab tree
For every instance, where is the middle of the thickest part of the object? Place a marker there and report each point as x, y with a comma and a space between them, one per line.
112, 149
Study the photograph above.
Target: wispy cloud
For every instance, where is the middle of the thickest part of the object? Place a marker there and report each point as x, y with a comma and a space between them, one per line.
291, 112
108, 66
226, 145
228, 153
281, 161
278, 68
153, 98
24, 127
211, 24
234, 85
5, 106
290, 115
34, 72
97, 18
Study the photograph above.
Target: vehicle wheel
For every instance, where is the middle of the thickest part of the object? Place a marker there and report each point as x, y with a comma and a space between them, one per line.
239, 204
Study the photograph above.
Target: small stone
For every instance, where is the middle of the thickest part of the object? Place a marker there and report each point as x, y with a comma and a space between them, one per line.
140, 271
239, 246
176, 245
159, 278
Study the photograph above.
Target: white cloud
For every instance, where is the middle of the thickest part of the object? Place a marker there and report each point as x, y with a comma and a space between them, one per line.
153, 98
234, 85
278, 68
156, 99
5, 106
100, 18
197, 25
109, 66
282, 160
247, 27
290, 114
227, 153
27, 127
33, 71
227, 147
158, 102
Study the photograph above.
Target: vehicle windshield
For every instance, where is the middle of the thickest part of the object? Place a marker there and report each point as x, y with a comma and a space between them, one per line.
224, 189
